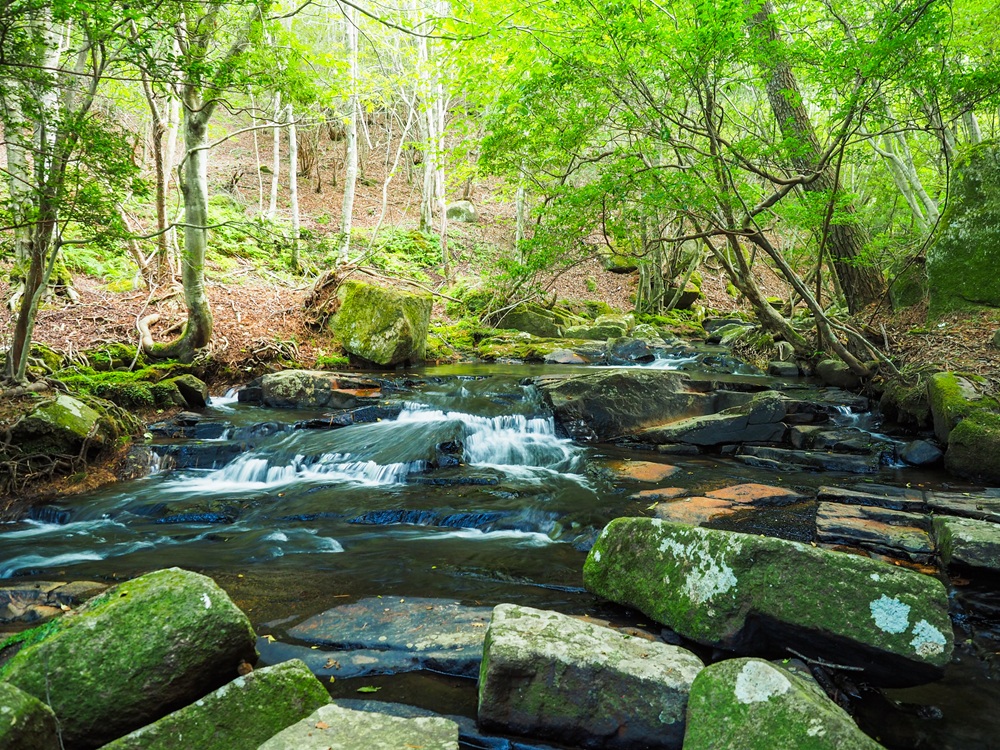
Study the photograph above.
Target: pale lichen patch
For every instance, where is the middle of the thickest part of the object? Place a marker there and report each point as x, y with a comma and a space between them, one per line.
890, 614
927, 640
708, 576
758, 682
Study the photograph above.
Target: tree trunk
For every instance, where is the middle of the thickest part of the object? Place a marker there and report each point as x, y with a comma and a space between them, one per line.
272, 207
293, 184
351, 176
862, 283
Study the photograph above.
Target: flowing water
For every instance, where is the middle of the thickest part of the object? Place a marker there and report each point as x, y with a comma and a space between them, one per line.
467, 493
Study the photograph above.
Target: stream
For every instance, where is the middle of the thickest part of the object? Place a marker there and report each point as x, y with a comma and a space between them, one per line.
463, 490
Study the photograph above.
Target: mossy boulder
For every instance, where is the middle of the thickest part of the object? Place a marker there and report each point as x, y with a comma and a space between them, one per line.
63, 426
746, 592
523, 347
312, 389
909, 284
595, 332
334, 727
753, 704
962, 263
968, 541
463, 212
242, 713
25, 722
951, 397
382, 326
906, 403
974, 447
192, 390
545, 674
133, 654
533, 319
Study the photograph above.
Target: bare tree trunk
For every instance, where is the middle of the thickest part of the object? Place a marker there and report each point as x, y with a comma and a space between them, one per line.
351, 176
862, 283
293, 184
272, 207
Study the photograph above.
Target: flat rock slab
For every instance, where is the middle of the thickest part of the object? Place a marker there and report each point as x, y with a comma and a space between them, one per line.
984, 506
745, 592
333, 727
425, 633
695, 511
752, 704
756, 494
888, 532
663, 493
784, 459
876, 496
968, 541
548, 675
642, 471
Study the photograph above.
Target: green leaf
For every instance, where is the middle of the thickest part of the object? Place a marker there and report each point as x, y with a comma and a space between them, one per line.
369, 689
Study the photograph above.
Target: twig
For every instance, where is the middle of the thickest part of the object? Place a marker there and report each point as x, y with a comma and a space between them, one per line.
823, 663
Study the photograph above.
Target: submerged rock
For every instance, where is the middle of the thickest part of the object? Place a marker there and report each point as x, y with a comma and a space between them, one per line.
746, 592
548, 675
25, 722
242, 713
332, 727
753, 704
383, 326
133, 654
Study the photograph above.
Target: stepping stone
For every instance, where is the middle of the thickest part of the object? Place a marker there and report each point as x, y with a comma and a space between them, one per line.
895, 498
664, 493
756, 494
695, 511
968, 542
642, 471
984, 506
885, 531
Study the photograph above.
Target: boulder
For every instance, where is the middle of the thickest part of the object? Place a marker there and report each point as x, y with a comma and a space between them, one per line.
835, 373
974, 447
548, 675
564, 357
334, 728
612, 403
386, 327
628, 351
463, 212
391, 634
25, 722
780, 369
951, 399
753, 704
311, 389
594, 332
62, 426
968, 542
744, 592
962, 262
532, 319
758, 420
982, 506
242, 713
921, 453
133, 654
192, 390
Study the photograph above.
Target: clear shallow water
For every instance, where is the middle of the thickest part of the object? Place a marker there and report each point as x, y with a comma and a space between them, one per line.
292, 522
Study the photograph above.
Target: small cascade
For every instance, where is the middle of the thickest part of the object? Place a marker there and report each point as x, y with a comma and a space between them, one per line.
225, 402
670, 361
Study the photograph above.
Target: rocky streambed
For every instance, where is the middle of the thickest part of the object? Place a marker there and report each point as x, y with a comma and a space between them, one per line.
370, 526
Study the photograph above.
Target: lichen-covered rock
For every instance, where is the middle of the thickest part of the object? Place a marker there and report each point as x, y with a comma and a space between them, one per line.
962, 263
753, 704
758, 420
334, 728
133, 654
594, 332
462, 211
548, 675
613, 403
313, 389
25, 722
384, 326
61, 426
718, 587
241, 714
968, 541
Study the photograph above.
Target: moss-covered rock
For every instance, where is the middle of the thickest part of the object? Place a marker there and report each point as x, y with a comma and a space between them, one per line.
242, 713
44, 360
311, 389
333, 727
25, 722
383, 326
962, 263
533, 319
974, 447
114, 356
968, 541
906, 403
715, 587
756, 705
524, 347
909, 285
951, 398
192, 390
62, 426
133, 654
545, 674
595, 332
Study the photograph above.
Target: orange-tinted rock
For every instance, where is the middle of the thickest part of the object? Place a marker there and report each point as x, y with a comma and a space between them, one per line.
694, 510
662, 493
756, 494
642, 471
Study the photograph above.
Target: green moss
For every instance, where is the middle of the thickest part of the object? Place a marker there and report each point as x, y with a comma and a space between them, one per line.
132, 390
332, 361
906, 402
382, 326
512, 347
114, 357
974, 446
676, 322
